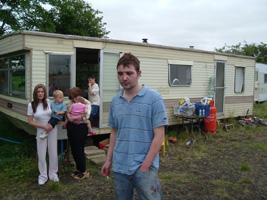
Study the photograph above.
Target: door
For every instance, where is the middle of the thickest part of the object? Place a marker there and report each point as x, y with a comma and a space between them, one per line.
256, 91
109, 82
219, 86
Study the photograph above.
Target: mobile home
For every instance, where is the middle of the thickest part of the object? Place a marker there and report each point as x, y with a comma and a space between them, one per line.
260, 94
64, 61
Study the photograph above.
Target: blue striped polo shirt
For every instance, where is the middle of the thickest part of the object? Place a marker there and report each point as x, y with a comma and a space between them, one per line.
135, 121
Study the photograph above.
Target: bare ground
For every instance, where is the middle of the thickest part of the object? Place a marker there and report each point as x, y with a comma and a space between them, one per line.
229, 165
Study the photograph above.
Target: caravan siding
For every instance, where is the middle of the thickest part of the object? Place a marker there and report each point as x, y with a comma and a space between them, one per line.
38, 69
11, 44
48, 43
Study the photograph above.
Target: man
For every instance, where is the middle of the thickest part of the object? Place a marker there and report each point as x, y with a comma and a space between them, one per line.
93, 96
138, 118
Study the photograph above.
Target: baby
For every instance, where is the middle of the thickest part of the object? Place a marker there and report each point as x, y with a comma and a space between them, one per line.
80, 108
59, 109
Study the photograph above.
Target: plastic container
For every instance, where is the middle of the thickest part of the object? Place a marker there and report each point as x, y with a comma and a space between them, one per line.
200, 106
190, 110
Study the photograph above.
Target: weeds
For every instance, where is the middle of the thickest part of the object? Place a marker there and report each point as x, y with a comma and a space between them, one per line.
245, 167
55, 186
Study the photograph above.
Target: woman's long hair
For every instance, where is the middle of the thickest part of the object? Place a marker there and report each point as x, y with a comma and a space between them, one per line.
35, 101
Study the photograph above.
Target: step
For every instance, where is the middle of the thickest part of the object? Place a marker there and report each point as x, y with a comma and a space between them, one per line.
94, 152
95, 156
99, 160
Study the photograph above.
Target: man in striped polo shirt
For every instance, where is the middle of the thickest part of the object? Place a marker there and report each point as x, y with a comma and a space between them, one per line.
138, 118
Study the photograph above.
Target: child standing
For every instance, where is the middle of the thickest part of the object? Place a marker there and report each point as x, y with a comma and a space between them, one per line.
80, 108
59, 109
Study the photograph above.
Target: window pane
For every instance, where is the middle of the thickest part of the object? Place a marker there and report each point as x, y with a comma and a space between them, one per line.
4, 82
59, 73
265, 78
18, 83
220, 74
18, 62
3, 63
180, 75
256, 76
239, 79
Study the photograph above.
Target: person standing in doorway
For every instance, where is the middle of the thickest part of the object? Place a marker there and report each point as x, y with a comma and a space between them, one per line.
138, 119
93, 96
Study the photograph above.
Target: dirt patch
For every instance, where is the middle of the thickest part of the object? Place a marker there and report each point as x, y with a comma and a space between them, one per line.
229, 165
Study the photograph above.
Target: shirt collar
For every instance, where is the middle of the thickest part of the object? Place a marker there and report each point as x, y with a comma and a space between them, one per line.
140, 93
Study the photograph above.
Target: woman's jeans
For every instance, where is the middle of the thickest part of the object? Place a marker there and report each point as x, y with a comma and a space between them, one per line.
146, 184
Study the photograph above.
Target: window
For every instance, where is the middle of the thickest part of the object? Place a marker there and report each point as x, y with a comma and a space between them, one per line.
265, 78
256, 76
179, 75
12, 74
239, 79
59, 73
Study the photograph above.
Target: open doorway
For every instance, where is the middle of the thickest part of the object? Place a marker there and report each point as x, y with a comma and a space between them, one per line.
87, 62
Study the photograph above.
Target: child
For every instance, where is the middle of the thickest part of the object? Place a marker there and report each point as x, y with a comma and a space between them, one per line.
59, 108
80, 108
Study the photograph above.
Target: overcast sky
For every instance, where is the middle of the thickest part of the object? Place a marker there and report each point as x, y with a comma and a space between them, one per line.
204, 24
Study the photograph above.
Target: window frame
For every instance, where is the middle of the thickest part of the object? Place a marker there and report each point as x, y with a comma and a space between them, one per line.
72, 70
180, 65
10, 70
244, 78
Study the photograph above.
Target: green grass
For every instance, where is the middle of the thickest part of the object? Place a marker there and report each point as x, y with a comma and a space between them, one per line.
16, 160
245, 167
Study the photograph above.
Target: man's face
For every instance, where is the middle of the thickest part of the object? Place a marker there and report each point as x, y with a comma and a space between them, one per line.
91, 80
127, 76
59, 98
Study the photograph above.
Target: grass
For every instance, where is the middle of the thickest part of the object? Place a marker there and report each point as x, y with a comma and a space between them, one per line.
245, 167
16, 160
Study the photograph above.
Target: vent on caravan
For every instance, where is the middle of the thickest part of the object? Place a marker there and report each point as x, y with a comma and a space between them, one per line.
144, 40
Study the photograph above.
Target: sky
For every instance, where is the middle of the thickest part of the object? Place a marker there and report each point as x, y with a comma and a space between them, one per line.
204, 24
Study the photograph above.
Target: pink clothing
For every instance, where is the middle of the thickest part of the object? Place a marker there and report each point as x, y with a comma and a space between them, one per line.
78, 109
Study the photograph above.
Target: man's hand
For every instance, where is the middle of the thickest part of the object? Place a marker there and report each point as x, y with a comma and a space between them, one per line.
106, 168
144, 168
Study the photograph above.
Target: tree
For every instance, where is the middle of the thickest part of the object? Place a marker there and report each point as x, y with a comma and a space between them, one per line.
14, 12
78, 18
258, 51
74, 17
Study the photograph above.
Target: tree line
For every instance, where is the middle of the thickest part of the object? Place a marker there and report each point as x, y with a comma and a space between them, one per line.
75, 17
259, 51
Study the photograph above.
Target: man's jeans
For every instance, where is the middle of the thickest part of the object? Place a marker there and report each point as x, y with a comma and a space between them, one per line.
147, 185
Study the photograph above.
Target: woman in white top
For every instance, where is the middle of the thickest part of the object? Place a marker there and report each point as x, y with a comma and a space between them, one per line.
40, 109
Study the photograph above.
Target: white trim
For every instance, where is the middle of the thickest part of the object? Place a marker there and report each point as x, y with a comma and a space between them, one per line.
59, 53
180, 62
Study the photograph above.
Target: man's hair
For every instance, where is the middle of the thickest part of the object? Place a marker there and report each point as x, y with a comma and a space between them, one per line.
57, 92
127, 59
92, 76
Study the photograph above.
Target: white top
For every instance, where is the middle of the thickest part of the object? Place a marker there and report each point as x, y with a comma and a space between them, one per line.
41, 116
95, 99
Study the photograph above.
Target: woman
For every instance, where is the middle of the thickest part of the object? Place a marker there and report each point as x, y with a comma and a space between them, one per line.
77, 134
40, 109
